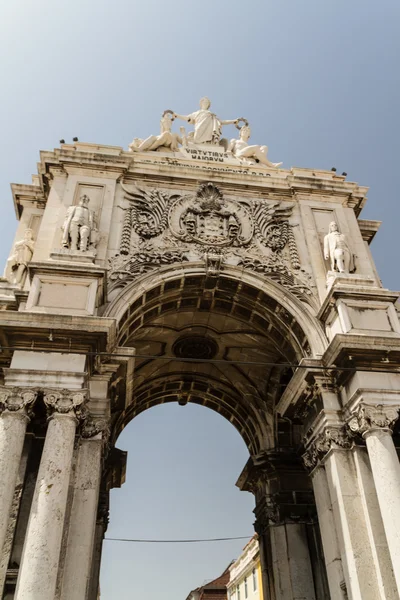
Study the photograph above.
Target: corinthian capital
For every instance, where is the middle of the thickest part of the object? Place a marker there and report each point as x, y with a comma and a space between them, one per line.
93, 426
15, 399
65, 402
332, 437
369, 417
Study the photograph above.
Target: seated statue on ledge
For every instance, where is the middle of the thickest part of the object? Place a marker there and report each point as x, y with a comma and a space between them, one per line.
17, 264
337, 250
242, 150
165, 141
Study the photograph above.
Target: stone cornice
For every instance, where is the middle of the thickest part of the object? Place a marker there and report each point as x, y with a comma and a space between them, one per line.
351, 350
30, 331
368, 229
296, 183
354, 292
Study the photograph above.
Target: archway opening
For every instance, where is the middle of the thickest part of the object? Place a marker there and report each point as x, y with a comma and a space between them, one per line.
218, 342
182, 466
229, 342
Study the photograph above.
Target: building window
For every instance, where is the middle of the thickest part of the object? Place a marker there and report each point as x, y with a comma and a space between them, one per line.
254, 580
246, 591
238, 593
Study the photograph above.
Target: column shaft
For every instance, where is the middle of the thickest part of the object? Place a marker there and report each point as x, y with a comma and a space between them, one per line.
358, 560
266, 566
40, 557
330, 542
12, 436
386, 472
77, 566
291, 563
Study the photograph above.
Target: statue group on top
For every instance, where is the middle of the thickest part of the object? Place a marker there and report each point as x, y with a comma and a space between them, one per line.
207, 130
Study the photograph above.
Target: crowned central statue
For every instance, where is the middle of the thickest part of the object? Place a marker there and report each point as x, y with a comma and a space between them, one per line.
207, 126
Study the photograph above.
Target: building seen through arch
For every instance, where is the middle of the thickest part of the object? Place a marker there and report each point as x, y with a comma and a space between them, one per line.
191, 269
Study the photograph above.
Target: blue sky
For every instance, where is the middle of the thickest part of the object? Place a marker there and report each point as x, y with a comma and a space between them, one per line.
319, 82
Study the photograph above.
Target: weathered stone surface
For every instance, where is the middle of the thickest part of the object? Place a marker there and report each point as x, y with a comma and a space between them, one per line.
191, 269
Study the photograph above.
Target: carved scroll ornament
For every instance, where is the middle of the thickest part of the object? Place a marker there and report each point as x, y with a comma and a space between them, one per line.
17, 399
332, 437
370, 417
65, 402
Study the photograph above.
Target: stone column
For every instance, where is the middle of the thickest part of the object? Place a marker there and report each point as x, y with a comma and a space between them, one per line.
13, 421
81, 534
37, 577
346, 499
264, 540
375, 423
333, 561
101, 528
291, 562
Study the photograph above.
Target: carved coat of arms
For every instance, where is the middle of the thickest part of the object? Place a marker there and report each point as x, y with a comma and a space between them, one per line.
209, 219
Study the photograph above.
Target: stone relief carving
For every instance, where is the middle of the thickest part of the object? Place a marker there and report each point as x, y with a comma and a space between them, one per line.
65, 401
336, 250
161, 227
149, 211
210, 219
123, 268
250, 154
332, 437
79, 229
370, 417
93, 426
17, 264
16, 399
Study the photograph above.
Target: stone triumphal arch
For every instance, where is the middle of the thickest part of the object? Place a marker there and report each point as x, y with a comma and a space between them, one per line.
192, 269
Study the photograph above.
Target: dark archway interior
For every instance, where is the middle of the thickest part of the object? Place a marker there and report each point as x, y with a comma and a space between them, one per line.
229, 330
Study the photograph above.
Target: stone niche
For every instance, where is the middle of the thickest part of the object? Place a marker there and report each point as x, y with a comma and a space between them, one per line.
62, 295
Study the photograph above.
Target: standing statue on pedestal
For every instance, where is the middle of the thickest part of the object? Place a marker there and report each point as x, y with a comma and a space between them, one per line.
165, 141
78, 226
337, 250
207, 126
17, 264
242, 150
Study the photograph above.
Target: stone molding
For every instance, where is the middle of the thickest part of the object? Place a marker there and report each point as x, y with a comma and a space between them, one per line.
65, 402
331, 438
368, 417
319, 385
17, 400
